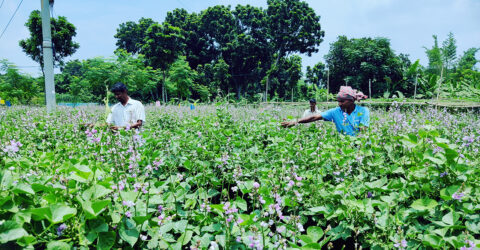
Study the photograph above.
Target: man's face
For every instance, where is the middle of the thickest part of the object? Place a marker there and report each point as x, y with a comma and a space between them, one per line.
344, 104
312, 106
121, 96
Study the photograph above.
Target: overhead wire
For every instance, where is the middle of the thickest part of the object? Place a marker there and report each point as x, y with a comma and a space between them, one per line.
1, 4
18, 7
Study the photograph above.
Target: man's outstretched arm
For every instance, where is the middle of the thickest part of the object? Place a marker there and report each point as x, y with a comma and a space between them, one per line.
303, 120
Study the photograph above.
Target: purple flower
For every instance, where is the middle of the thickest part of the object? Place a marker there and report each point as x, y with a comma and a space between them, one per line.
256, 185
61, 228
128, 214
160, 209
128, 203
443, 174
13, 147
369, 194
458, 196
401, 245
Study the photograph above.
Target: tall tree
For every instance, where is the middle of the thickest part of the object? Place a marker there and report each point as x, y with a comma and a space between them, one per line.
355, 61
293, 27
62, 39
434, 54
449, 51
16, 87
316, 75
198, 49
468, 59
286, 78
163, 44
130, 35
181, 78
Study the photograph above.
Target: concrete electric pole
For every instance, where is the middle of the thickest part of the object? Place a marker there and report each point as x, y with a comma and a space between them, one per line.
48, 56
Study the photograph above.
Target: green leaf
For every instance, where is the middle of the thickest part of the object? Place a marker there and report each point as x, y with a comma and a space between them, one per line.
450, 154
95, 192
106, 240
424, 204
473, 227
98, 226
315, 233
58, 245
450, 218
128, 232
376, 184
141, 219
305, 239
446, 193
26, 241
220, 239
10, 230
312, 246
92, 210
23, 188
432, 240
185, 238
241, 203
180, 226
61, 213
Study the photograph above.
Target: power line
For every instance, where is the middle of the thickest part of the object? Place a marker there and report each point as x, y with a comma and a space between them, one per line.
1, 4
18, 7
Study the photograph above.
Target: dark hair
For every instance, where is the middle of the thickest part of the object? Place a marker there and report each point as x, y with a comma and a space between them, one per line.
119, 87
313, 101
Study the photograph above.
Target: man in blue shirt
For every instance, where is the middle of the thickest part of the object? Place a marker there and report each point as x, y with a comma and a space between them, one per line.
348, 117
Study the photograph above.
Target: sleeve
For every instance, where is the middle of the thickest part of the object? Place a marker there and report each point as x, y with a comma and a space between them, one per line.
110, 118
365, 117
305, 114
140, 112
328, 115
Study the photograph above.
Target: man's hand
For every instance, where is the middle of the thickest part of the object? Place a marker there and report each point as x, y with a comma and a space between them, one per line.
114, 128
288, 124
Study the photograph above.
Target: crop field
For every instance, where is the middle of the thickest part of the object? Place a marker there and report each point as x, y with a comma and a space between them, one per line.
226, 177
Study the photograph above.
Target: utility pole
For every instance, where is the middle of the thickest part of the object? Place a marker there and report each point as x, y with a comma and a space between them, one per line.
369, 88
415, 92
48, 56
328, 82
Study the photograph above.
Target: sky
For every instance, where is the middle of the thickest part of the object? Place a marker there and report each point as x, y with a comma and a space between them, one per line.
409, 24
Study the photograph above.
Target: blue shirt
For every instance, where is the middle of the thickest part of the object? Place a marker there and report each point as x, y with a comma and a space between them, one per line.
345, 123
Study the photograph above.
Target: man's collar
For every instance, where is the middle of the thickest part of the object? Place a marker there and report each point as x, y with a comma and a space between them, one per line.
128, 102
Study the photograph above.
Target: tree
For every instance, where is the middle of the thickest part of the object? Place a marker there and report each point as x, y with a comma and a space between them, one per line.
198, 47
449, 51
285, 79
62, 39
16, 87
316, 75
162, 45
468, 59
181, 78
354, 61
293, 27
130, 35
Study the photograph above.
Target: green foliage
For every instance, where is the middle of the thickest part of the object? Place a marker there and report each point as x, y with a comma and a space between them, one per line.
84, 81
62, 38
16, 87
130, 35
317, 75
354, 62
181, 78
228, 175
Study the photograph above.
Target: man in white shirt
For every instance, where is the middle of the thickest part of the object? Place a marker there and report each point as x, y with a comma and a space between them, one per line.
128, 112
312, 110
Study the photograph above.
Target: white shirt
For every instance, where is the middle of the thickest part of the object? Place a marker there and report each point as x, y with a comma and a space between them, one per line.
128, 114
308, 113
